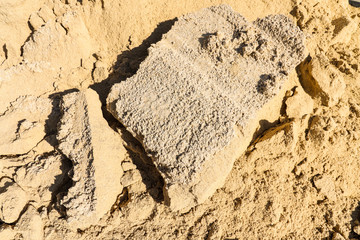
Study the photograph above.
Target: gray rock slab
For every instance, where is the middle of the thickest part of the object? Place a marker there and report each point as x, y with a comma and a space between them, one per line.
96, 152
200, 89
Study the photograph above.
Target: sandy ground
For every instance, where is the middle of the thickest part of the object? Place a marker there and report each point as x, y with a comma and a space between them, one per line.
299, 178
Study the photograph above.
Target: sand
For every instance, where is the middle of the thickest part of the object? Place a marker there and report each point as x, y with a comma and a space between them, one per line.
298, 179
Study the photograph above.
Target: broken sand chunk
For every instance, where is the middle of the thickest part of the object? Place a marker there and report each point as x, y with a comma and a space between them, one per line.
30, 225
12, 201
42, 177
326, 186
299, 104
344, 27
24, 120
321, 79
96, 152
194, 101
51, 43
130, 177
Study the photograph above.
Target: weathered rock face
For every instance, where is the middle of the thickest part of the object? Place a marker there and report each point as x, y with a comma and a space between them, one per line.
96, 152
12, 201
24, 120
42, 177
30, 225
194, 98
55, 39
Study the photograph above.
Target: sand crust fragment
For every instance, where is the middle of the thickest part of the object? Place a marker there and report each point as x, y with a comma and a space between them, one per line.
24, 120
194, 98
12, 201
96, 152
42, 177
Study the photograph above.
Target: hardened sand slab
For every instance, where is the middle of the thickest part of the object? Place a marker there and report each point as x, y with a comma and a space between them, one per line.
199, 90
96, 152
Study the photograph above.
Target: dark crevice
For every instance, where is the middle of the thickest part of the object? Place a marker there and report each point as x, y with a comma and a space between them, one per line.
267, 130
31, 27
309, 125
121, 201
150, 174
66, 30
264, 125
355, 219
6, 53
61, 186
13, 155
55, 116
283, 108
27, 39
308, 83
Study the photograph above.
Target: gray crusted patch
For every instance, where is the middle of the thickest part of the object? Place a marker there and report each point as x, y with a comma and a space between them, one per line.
96, 152
211, 72
75, 142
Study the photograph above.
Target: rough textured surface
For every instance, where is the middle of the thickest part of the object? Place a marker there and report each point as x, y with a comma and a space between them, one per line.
42, 177
30, 225
24, 120
97, 167
298, 104
269, 193
12, 201
320, 79
212, 72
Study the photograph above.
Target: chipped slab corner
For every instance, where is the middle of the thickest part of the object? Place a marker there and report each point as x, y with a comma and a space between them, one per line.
96, 152
195, 101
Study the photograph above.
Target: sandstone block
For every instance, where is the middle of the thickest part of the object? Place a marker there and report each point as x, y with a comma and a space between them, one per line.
194, 101
96, 152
